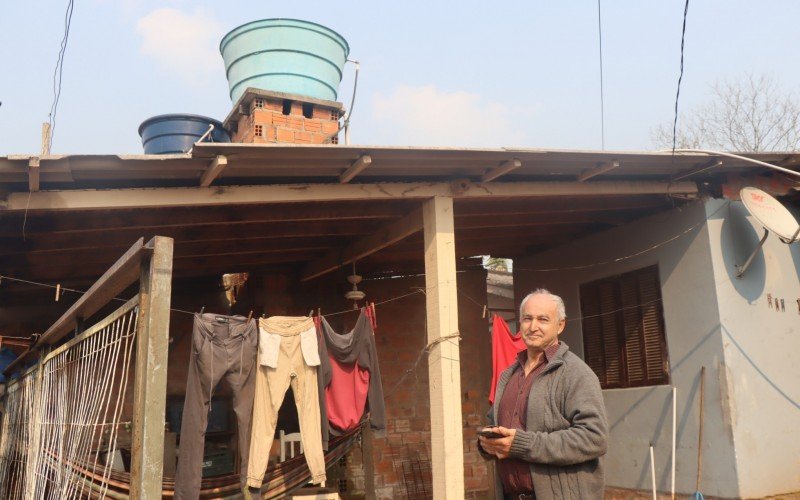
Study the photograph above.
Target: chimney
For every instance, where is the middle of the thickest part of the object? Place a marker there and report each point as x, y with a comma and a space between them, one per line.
264, 116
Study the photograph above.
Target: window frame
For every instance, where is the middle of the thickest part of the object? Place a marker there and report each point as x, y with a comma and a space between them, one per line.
619, 312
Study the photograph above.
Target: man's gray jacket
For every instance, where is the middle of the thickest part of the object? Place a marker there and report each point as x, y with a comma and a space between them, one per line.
567, 429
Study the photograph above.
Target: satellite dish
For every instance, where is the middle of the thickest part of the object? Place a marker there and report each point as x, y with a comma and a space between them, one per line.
771, 214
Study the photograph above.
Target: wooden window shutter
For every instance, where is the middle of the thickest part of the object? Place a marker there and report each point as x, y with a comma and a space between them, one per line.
593, 334
623, 329
652, 321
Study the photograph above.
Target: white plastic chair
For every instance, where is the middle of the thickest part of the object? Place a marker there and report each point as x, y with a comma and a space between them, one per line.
291, 440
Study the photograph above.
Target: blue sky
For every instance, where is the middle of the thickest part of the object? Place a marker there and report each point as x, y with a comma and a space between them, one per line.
517, 74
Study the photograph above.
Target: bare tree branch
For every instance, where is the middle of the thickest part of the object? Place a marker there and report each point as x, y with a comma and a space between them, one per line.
750, 114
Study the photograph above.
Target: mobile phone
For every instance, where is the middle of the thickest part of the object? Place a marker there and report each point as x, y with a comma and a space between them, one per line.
489, 434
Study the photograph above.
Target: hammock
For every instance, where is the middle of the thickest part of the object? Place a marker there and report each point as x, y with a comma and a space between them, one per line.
279, 481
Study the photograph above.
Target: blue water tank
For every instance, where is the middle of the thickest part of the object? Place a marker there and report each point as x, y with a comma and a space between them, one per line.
167, 134
284, 55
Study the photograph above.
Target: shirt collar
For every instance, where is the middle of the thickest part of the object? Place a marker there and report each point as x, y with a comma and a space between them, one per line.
549, 354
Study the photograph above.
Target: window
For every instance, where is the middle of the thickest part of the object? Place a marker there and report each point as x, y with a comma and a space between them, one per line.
287, 107
308, 110
623, 329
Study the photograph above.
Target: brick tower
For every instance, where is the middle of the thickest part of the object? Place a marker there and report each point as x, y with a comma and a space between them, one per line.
263, 116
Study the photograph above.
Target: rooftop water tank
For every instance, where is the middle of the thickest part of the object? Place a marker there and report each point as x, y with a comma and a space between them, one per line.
284, 55
167, 134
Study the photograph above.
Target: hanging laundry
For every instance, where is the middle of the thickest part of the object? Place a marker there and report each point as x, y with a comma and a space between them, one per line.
505, 347
222, 347
352, 376
288, 355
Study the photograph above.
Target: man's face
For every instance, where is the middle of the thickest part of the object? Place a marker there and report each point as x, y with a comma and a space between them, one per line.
539, 324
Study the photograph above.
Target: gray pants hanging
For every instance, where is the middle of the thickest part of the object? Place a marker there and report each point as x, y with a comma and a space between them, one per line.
222, 346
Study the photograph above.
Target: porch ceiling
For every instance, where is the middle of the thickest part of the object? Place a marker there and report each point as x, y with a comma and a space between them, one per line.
77, 246
508, 202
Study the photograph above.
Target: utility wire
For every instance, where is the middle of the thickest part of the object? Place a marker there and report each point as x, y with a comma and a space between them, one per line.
58, 72
602, 103
680, 77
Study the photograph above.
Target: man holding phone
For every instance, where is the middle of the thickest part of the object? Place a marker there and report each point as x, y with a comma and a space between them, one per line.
548, 429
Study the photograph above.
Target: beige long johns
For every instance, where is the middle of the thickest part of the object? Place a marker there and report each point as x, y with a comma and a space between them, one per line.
287, 356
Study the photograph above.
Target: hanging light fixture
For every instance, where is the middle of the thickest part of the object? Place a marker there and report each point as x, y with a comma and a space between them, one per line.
355, 294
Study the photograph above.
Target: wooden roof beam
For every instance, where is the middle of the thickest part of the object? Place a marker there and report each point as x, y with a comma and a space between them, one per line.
502, 169
598, 170
387, 236
33, 173
215, 168
139, 198
683, 174
355, 168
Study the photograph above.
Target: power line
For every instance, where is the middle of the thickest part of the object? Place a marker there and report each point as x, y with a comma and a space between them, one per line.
680, 77
602, 103
58, 72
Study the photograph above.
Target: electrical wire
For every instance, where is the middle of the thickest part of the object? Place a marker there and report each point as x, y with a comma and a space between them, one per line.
58, 73
602, 103
629, 256
680, 78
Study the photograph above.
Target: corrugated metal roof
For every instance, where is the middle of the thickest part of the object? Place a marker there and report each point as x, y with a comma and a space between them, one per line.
271, 163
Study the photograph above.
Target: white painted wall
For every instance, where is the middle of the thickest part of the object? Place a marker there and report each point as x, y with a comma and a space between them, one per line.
761, 350
640, 416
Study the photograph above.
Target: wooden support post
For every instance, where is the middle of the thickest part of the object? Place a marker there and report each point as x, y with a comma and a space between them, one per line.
33, 174
150, 382
46, 138
444, 367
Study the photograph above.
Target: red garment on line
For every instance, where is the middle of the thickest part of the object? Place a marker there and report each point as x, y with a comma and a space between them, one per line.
505, 347
346, 395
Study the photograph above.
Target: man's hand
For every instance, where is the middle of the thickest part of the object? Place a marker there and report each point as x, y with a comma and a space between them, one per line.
499, 447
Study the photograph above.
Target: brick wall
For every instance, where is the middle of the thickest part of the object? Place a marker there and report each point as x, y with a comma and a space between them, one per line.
400, 337
267, 123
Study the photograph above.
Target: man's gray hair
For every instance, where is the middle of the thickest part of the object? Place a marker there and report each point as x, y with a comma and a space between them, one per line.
561, 310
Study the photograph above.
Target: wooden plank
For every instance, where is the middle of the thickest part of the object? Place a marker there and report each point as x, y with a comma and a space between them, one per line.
33, 174
683, 174
46, 138
93, 221
293, 193
215, 168
356, 168
122, 237
121, 275
500, 170
379, 240
150, 375
600, 169
444, 366
199, 266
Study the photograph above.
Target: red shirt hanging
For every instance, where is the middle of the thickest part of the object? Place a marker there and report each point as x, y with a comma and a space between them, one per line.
505, 347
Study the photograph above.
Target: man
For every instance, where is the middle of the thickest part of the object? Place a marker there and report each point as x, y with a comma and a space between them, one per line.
549, 412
